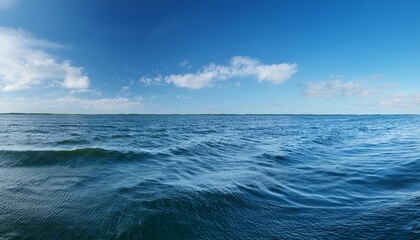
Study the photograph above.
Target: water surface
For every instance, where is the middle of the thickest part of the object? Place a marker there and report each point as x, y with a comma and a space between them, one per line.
209, 177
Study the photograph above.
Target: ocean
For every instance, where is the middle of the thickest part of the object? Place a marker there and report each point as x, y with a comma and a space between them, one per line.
209, 176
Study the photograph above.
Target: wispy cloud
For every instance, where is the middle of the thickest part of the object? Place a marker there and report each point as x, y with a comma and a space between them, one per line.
25, 63
185, 64
238, 67
183, 97
337, 88
376, 76
152, 81
7, 4
390, 86
71, 104
127, 87
402, 100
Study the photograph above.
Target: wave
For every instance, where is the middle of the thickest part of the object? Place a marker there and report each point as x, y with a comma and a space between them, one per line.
274, 157
37, 131
73, 142
116, 136
82, 156
205, 148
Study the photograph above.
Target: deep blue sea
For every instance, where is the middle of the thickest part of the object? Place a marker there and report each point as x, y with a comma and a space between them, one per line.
209, 177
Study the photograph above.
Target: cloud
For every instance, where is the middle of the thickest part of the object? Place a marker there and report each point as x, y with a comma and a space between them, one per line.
103, 104
7, 4
337, 88
71, 104
183, 97
402, 100
238, 67
376, 76
152, 81
185, 64
24, 63
390, 86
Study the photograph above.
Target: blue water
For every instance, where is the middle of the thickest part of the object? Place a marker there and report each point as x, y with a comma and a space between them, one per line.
209, 177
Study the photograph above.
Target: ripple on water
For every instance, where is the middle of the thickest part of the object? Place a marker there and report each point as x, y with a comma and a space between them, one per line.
210, 177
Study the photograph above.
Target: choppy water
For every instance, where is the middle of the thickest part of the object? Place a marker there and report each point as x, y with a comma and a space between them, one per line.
209, 177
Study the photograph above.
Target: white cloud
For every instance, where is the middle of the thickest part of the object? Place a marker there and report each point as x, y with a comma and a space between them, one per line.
183, 97
71, 104
238, 67
152, 81
128, 86
337, 88
402, 100
119, 104
24, 63
196, 80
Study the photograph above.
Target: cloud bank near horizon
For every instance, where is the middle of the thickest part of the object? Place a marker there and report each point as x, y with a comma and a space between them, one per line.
71, 104
337, 88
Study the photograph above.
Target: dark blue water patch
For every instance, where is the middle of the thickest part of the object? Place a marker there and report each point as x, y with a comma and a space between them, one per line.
77, 157
123, 130
37, 131
205, 131
116, 136
393, 221
73, 142
282, 159
70, 125
403, 177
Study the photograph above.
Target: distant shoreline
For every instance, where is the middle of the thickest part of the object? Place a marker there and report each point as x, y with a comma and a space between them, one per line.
219, 114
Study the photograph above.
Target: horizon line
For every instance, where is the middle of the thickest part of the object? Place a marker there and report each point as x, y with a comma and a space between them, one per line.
314, 114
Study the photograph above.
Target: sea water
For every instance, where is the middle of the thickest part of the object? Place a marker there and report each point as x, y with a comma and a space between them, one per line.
209, 177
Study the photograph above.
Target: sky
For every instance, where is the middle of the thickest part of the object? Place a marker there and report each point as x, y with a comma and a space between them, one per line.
215, 56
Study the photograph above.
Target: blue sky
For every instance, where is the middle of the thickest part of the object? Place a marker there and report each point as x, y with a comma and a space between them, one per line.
108, 56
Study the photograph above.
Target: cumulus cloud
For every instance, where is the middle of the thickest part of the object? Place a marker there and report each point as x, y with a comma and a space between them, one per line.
25, 63
238, 67
337, 88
